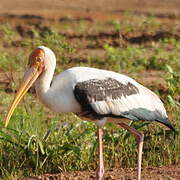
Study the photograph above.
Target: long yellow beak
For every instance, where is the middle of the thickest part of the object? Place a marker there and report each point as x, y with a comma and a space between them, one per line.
29, 78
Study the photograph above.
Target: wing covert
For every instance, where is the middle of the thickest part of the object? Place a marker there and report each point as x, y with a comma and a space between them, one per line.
104, 97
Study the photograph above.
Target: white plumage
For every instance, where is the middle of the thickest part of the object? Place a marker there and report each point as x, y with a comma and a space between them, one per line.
91, 93
60, 98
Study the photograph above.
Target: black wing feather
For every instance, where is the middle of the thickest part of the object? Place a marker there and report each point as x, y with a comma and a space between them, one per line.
95, 90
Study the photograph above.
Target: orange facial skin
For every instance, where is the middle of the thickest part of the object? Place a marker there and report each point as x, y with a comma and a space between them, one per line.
35, 68
36, 59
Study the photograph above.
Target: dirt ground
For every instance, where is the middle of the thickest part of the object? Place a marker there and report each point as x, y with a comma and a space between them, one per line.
102, 9
18, 11
150, 173
59, 7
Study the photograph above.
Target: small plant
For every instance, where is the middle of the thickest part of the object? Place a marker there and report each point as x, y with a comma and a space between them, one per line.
130, 58
8, 32
173, 82
117, 26
11, 62
53, 40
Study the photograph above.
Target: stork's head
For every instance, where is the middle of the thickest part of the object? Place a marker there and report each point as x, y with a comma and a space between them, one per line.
39, 60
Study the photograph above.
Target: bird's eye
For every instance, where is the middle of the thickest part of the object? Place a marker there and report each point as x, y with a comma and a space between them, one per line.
38, 59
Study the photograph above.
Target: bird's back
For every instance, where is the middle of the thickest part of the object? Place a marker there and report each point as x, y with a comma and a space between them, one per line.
102, 93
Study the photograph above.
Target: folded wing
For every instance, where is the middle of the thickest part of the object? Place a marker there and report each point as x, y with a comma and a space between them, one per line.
112, 98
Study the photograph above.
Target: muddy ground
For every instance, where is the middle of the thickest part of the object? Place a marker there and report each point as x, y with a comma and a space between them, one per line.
24, 15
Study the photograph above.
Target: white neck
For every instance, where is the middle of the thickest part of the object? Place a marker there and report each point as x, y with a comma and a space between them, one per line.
42, 84
58, 97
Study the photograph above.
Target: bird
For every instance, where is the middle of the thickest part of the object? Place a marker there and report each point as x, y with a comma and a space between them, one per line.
93, 94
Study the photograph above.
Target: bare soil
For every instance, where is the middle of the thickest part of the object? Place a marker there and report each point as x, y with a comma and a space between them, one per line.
150, 173
25, 14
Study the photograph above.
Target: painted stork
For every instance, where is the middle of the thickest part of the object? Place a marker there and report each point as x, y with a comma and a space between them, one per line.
94, 94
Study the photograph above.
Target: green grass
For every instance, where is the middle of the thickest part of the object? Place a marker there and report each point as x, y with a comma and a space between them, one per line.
138, 58
38, 141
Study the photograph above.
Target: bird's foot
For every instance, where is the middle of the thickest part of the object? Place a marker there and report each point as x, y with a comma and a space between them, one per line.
100, 173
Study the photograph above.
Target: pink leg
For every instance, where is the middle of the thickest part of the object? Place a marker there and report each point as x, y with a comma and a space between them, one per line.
100, 170
140, 138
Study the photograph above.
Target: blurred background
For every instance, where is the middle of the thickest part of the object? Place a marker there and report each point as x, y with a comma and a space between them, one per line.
56, 8
140, 38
